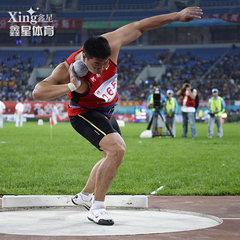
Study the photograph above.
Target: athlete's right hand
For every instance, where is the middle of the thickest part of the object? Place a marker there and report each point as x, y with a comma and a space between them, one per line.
73, 78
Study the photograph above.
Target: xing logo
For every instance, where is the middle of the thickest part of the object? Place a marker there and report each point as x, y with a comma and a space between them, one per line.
31, 24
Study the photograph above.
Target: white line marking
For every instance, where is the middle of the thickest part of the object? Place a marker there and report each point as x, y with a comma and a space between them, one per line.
154, 192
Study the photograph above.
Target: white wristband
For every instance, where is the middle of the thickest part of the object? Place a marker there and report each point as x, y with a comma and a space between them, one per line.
72, 87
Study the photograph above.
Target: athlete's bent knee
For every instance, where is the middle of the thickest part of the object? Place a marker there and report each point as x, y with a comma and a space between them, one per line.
117, 152
114, 147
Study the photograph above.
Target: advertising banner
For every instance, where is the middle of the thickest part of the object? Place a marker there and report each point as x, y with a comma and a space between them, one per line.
37, 108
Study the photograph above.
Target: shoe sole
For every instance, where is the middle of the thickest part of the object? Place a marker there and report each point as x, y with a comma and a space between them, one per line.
103, 222
85, 205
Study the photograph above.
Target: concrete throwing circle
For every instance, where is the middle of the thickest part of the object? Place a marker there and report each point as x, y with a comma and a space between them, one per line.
72, 222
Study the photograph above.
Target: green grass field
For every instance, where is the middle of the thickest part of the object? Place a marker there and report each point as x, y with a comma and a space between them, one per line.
33, 163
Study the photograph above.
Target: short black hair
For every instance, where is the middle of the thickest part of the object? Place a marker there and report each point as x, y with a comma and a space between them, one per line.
97, 47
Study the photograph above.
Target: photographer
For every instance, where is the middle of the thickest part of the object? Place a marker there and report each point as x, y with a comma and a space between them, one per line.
156, 101
216, 106
188, 108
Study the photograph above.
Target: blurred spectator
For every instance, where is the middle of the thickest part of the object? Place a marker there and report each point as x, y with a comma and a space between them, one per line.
14, 80
201, 115
179, 67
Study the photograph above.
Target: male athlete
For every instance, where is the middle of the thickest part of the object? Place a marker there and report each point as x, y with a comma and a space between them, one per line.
92, 101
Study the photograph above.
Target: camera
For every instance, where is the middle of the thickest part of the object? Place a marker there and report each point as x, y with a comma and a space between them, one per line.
157, 97
211, 114
187, 85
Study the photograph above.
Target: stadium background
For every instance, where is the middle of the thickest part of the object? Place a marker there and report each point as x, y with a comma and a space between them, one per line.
206, 51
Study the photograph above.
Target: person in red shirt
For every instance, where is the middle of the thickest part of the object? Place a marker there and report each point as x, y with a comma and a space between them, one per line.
93, 98
188, 108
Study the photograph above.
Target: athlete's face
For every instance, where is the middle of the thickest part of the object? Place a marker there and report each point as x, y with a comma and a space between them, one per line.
96, 65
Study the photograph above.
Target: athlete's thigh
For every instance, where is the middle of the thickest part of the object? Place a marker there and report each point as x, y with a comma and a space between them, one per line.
112, 142
93, 126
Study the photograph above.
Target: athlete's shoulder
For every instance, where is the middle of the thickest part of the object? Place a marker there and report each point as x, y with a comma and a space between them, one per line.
71, 58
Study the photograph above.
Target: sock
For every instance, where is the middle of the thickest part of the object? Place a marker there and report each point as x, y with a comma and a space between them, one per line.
98, 204
86, 196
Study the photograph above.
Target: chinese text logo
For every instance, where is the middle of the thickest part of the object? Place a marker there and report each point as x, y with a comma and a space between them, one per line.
31, 24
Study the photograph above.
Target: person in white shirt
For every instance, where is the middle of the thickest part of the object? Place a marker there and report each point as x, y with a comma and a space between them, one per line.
55, 113
2, 110
19, 110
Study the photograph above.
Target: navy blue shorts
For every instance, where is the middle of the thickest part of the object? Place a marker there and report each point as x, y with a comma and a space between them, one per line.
94, 125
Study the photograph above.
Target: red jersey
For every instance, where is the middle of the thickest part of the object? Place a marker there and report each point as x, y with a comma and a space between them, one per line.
102, 94
187, 100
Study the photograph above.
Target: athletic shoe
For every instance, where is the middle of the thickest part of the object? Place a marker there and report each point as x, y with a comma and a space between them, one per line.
100, 216
78, 200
